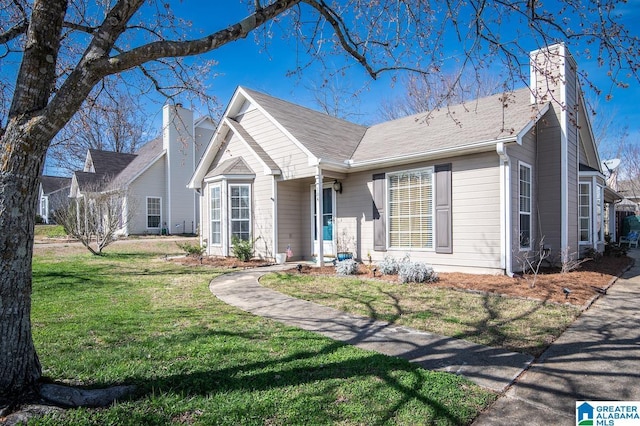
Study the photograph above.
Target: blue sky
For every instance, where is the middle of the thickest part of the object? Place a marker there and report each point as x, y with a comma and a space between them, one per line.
249, 64
245, 63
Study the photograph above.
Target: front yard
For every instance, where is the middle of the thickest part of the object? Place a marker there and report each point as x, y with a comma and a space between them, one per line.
131, 317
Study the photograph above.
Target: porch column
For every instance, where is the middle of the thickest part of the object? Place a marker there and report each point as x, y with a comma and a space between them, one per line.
319, 210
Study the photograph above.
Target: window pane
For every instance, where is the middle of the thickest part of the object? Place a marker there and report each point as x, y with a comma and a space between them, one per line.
411, 209
153, 212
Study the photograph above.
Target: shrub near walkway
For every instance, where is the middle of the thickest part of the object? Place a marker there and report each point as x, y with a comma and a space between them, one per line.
130, 317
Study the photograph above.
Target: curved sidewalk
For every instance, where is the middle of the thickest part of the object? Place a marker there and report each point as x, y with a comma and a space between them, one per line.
489, 367
596, 359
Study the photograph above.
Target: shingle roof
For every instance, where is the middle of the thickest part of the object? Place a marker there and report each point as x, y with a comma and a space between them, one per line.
486, 119
324, 136
109, 162
54, 183
142, 159
90, 182
233, 166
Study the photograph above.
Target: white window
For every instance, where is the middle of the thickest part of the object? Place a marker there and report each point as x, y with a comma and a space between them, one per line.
584, 213
216, 210
525, 206
240, 211
411, 203
154, 207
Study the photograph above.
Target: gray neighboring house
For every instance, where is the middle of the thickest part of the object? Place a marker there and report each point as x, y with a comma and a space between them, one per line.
472, 188
152, 182
53, 194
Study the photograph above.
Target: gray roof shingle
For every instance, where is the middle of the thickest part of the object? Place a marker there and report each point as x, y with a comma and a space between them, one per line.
324, 136
232, 166
54, 183
482, 120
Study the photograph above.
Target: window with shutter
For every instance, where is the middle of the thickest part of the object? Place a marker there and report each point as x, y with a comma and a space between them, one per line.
411, 209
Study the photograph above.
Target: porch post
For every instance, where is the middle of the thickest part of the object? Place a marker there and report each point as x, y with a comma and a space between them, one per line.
319, 209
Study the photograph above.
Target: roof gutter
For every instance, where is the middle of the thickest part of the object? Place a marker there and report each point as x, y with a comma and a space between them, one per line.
428, 155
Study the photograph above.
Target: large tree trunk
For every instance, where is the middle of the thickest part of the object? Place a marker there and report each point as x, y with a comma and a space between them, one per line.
19, 365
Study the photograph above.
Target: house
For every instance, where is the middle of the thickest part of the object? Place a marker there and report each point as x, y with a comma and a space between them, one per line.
53, 193
473, 187
152, 182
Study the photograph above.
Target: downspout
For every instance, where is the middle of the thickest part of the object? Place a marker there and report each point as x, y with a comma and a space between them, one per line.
274, 194
319, 209
505, 209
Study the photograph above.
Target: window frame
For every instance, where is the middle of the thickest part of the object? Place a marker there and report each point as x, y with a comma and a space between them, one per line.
159, 215
589, 218
230, 209
212, 240
429, 218
525, 214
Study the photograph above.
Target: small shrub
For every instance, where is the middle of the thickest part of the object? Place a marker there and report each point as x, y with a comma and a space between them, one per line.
39, 219
192, 249
347, 267
389, 266
242, 249
416, 272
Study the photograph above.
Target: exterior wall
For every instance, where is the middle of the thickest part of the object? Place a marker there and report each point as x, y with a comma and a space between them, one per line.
548, 166
294, 218
149, 184
475, 221
262, 203
293, 162
525, 154
178, 140
203, 135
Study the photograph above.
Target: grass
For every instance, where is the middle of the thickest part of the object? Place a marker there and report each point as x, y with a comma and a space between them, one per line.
49, 231
130, 317
519, 325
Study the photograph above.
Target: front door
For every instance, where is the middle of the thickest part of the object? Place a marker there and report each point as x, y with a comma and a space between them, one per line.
328, 219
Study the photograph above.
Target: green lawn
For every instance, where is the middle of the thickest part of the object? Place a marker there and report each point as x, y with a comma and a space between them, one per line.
130, 317
526, 326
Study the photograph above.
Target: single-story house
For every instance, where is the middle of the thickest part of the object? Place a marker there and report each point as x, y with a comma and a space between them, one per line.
53, 193
152, 182
473, 187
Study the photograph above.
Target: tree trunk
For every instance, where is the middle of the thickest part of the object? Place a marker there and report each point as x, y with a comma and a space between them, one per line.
19, 364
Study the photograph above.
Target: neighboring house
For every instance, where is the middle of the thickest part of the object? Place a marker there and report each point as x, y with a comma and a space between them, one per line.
53, 194
473, 187
152, 182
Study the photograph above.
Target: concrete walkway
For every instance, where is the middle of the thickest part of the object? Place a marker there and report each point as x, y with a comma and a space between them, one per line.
492, 368
596, 359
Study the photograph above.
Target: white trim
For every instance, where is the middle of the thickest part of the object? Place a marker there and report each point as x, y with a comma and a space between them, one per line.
590, 236
471, 148
564, 154
274, 214
229, 207
506, 257
429, 170
522, 164
316, 220
275, 122
146, 218
219, 178
217, 186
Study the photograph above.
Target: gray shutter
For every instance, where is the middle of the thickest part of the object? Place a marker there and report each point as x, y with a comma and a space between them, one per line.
443, 230
379, 223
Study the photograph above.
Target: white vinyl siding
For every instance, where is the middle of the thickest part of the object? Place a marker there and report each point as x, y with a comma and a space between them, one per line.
154, 209
410, 207
525, 206
240, 211
216, 215
584, 214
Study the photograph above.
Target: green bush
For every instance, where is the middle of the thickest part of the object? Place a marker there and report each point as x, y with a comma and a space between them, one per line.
347, 267
192, 249
242, 249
